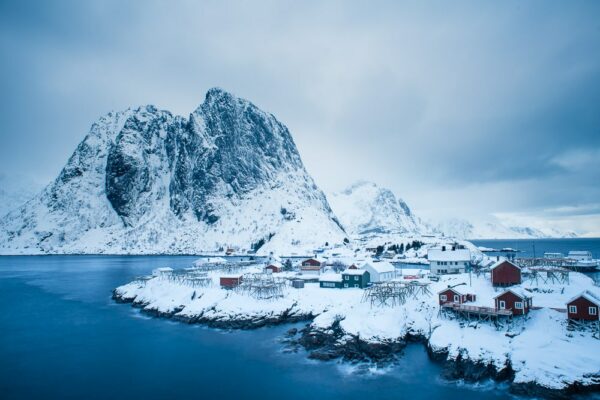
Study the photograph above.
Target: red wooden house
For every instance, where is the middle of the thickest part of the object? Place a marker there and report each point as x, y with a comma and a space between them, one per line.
274, 267
450, 295
515, 300
311, 265
584, 307
230, 281
505, 273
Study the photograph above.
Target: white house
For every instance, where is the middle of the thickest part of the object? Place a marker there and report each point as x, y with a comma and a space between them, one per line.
448, 260
380, 271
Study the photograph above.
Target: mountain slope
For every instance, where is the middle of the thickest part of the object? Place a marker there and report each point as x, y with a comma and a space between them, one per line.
146, 181
496, 228
367, 209
16, 190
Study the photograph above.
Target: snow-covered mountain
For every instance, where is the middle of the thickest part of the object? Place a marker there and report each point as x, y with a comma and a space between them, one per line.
146, 181
493, 227
16, 190
367, 209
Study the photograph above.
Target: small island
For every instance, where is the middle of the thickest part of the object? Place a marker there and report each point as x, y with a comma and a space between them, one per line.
499, 322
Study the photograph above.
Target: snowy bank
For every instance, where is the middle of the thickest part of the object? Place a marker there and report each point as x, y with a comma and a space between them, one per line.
537, 353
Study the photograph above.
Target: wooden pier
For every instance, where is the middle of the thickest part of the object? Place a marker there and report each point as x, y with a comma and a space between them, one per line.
475, 313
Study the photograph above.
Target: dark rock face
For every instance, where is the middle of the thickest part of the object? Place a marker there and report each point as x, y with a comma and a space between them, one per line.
227, 147
327, 345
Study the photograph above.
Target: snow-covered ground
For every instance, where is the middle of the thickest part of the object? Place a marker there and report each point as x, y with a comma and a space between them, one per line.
539, 346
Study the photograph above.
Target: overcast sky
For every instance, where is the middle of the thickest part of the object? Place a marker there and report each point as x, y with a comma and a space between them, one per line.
463, 109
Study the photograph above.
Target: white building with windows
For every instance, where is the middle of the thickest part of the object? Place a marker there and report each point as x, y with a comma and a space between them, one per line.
380, 271
448, 260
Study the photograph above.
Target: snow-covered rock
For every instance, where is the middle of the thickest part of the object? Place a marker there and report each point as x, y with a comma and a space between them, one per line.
16, 190
367, 209
146, 181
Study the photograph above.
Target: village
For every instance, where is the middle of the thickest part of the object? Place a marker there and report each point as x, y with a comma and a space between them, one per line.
383, 283
539, 320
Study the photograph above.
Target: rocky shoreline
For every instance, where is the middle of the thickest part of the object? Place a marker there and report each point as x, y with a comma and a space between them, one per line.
333, 343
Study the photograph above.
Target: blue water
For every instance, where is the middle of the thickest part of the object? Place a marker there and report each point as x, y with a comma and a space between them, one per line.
527, 247
62, 337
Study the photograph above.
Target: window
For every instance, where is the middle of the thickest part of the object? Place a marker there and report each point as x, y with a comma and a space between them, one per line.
456, 298
443, 297
345, 285
328, 284
356, 285
593, 311
502, 304
572, 309
346, 278
518, 305
356, 278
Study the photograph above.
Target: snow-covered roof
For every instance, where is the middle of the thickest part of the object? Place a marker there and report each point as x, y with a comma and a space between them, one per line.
497, 263
451, 289
517, 291
319, 259
589, 296
275, 264
448, 255
231, 276
381, 267
330, 278
354, 272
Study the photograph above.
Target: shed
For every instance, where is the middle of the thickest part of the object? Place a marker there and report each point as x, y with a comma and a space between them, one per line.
298, 283
274, 267
380, 271
584, 307
330, 281
230, 281
357, 278
515, 300
505, 273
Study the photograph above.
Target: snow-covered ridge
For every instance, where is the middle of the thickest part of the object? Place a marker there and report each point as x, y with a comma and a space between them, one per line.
144, 181
364, 209
493, 227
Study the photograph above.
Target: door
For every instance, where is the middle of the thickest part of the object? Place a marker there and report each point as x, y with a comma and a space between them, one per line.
502, 305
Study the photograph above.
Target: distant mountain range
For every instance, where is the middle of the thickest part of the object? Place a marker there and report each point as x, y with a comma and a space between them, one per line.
495, 228
145, 181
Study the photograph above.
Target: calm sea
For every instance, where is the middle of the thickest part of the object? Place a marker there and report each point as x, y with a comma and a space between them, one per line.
62, 337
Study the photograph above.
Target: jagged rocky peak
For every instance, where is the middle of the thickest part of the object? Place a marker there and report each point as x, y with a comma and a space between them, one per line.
366, 208
229, 174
